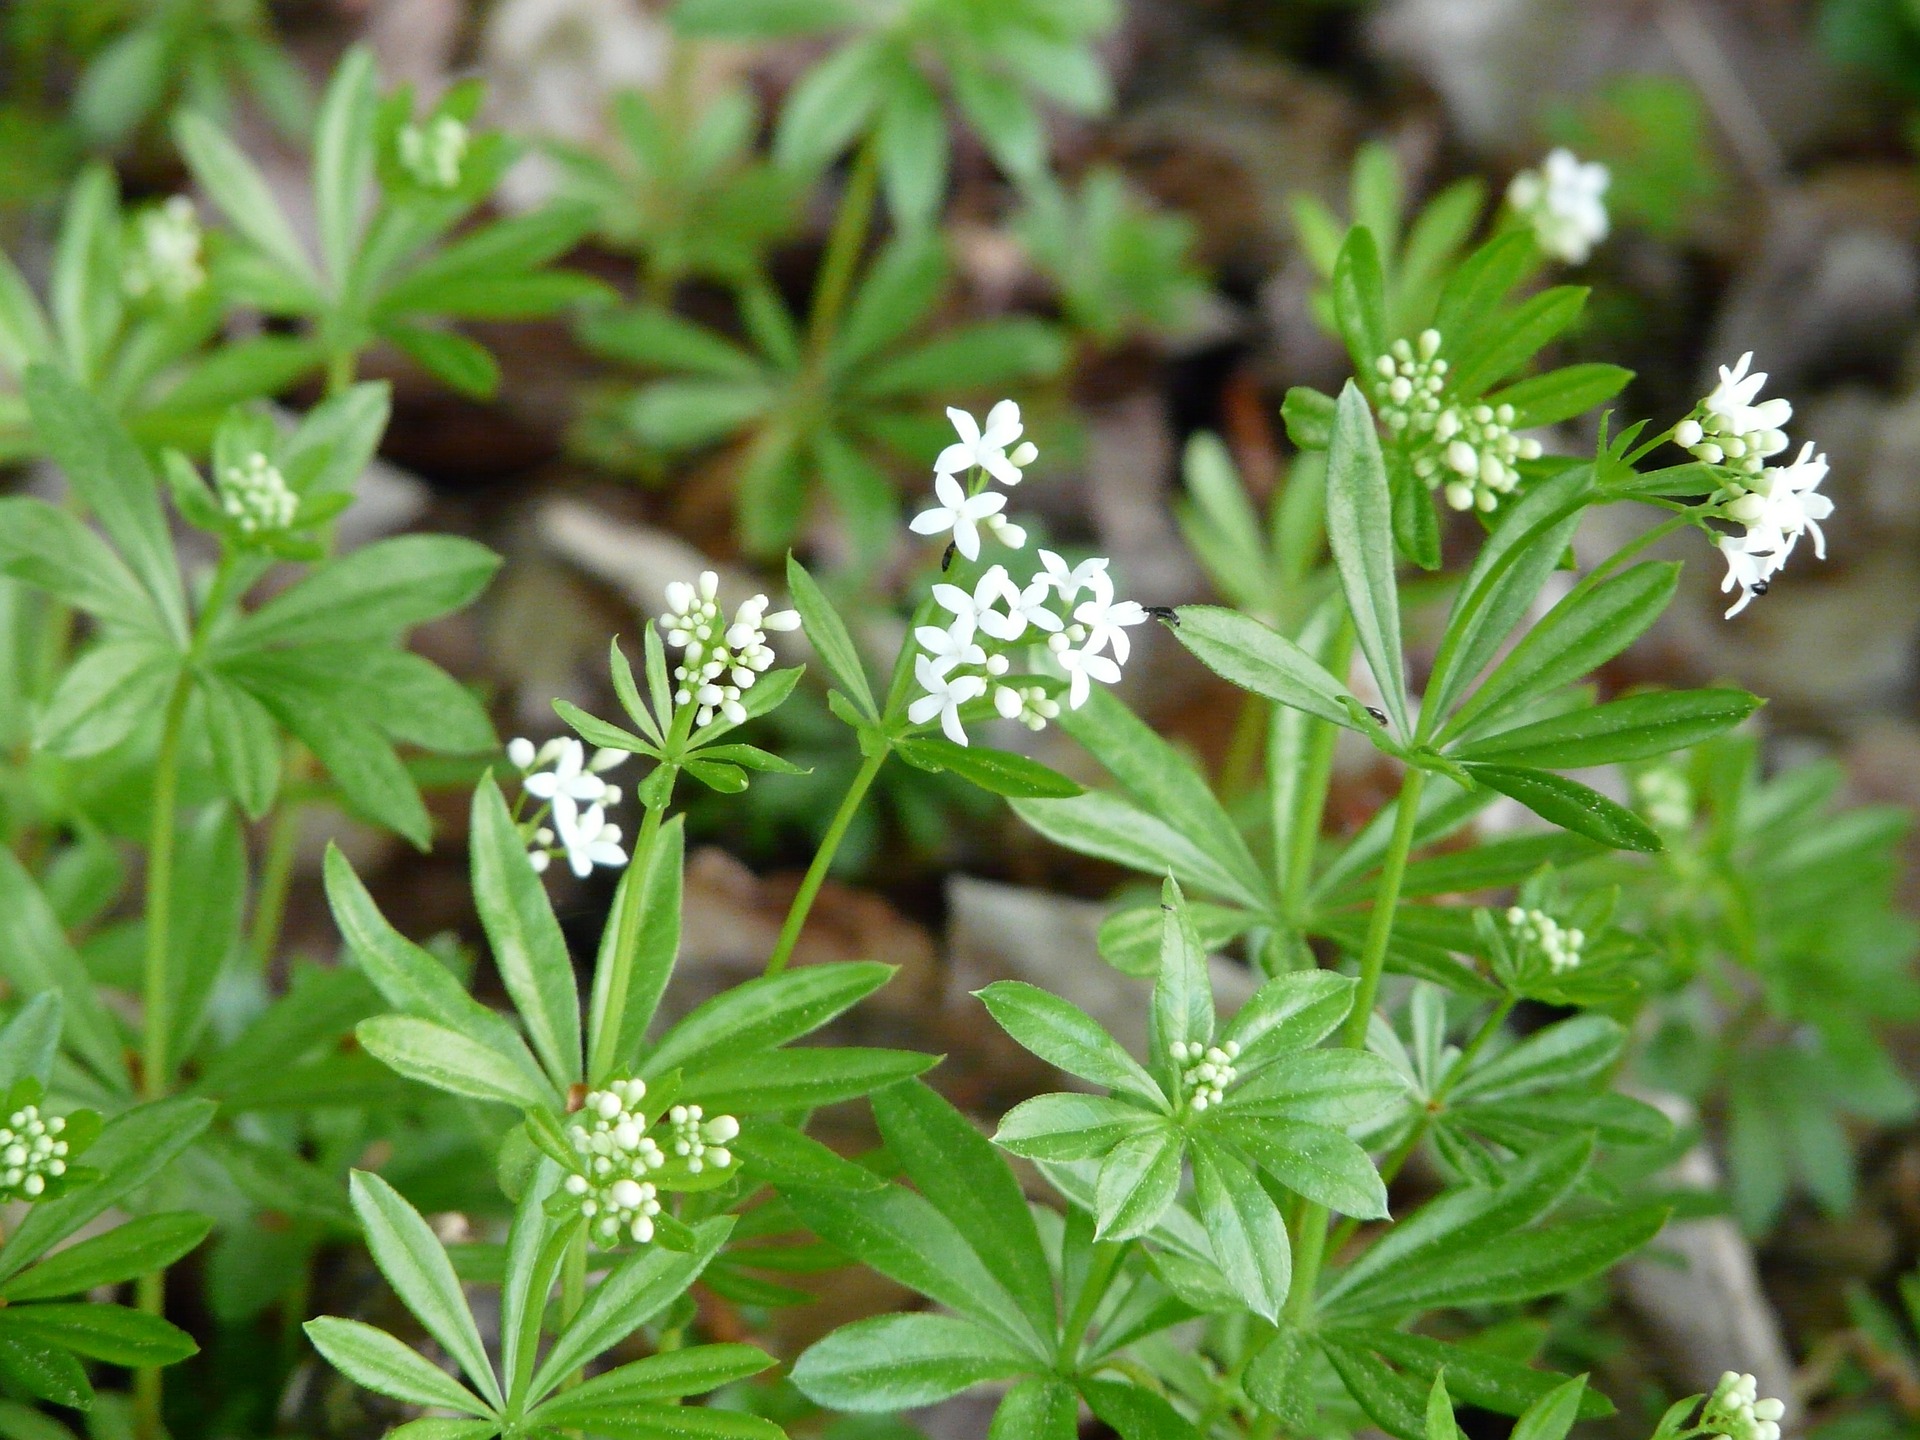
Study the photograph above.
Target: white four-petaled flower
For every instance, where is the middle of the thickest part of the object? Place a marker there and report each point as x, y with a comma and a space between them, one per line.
944, 692
1563, 201
959, 512
985, 447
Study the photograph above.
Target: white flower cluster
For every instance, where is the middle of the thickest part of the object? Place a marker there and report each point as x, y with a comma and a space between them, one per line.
1775, 504
1562, 201
255, 495
954, 667
699, 1141
31, 1153
1735, 1411
1469, 452
1208, 1071
618, 1156
1541, 931
586, 837
163, 253
719, 662
984, 449
432, 153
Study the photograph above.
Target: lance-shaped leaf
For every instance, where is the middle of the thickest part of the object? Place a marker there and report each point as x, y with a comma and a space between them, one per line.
1360, 533
1633, 728
1255, 657
894, 1362
1244, 1225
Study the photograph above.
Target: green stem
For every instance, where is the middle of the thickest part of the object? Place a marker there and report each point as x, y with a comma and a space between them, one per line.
276, 869
1635, 546
573, 1293
156, 986
822, 861
1243, 749
603, 1045
340, 368
1310, 1244
850, 227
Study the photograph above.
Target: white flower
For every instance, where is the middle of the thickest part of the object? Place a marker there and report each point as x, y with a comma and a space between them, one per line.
1563, 202
986, 448
1082, 666
1750, 570
1070, 581
719, 661
432, 153
163, 256
1735, 1411
31, 1153
945, 692
951, 645
256, 496
590, 840
568, 785
959, 512
1024, 607
1733, 401
1790, 503
1106, 619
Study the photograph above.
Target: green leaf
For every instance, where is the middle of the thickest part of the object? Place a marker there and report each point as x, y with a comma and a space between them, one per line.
672, 1373
151, 1242
1070, 1127
450, 357
51, 550
893, 1362
1039, 1407
1360, 299
764, 1012
1067, 1038
1478, 1375
787, 1157
1311, 1160
1571, 806
999, 772
1360, 533
35, 958
762, 19
1113, 828
362, 762
1290, 1012
447, 1060
1552, 1416
1308, 415
1589, 626
634, 1292
417, 703
1561, 394
241, 193
829, 105
112, 477
1634, 728
1566, 1053
1138, 1180
1251, 655
245, 742
411, 980
829, 636
111, 1333
984, 355
1135, 1412
30, 1040
1248, 1235
374, 593
625, 998
44, 1372
133, 1147
536, 1249
912, 140
965, 1179
897, 292
800, 1079
1389, 1399
343, 161
1182, 1007
528, 948
1323, 1087
1510, 342
1480, 283
683, 414
376, 1360
418, 1269
655, 337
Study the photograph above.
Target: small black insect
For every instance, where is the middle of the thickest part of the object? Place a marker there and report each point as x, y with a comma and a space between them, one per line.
946, 560
1379, 715
1164, 613
1760, 587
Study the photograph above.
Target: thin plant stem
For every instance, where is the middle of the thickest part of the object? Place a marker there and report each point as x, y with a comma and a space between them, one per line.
1242, 759
1310, 1241
340, 371
602, 1044
276, 869
850, 226
156, 985
822, 861
573, 1293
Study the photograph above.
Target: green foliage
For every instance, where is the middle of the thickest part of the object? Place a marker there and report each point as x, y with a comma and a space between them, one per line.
1653, 136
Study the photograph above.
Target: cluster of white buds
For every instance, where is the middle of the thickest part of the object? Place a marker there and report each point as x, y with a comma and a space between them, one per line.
1664, 797
699, 1141
1207, 1070
1469, 452
432, 153
1562, 201
163, 253
1410, 379
616, 1155
1736, 431
719, 661
255, 495
1541, 931
587, 838
1029, 704
1481, 455
1735, 1411
31, 1153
